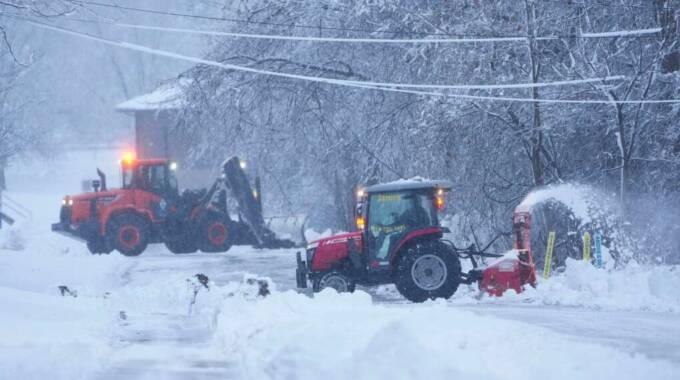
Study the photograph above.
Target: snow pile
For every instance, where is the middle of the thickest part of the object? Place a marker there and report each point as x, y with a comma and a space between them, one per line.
12, 238
650, 288
42, 333
184, 295
341, 336
51, 337
638, 288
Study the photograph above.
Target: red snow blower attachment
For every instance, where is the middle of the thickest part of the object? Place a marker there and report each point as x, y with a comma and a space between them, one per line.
400, 241
516, 268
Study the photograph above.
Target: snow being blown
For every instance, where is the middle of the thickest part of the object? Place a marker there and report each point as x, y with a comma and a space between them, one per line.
580, 199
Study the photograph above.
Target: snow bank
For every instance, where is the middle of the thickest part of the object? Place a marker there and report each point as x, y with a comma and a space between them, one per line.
341, 336
646, 288
634, 288
43, 336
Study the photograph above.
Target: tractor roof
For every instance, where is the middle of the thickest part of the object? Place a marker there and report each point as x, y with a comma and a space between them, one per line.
409, 184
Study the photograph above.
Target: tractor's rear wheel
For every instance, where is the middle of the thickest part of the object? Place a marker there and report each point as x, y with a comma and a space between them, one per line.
215, 234
427, 270
128, 234
334, 280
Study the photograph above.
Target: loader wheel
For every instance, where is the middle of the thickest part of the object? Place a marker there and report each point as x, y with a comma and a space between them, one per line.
128, 234
98, 246
427, 270
215, 234
179, 246
334, 280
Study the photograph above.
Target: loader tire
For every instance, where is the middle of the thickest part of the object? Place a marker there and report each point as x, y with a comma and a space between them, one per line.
334, 280
427, 270
98, 246
215, 234
128, 234
182, 246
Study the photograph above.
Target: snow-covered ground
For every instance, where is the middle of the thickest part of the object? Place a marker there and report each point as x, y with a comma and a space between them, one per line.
149, 318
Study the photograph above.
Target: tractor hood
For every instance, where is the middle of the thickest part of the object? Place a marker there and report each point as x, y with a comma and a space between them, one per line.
95, 195
335, 240
324, 254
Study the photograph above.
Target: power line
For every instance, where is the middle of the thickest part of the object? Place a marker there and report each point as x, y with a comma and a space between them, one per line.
354, 84
621, 33
526, 100
398, 85
491, 38
609, 5
270, 23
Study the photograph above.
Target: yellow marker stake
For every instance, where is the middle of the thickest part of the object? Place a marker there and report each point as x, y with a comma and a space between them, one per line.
586, 246
548, 254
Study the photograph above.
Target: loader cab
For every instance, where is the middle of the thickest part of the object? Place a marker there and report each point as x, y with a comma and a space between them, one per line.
156, 176
390, 214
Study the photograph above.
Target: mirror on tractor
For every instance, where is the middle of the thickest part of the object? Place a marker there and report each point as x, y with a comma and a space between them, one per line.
96, 185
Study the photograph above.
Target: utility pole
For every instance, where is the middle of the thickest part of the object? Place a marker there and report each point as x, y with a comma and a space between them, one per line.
537, 134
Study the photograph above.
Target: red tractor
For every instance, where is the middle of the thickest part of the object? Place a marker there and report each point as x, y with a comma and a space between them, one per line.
400, 241
149, 208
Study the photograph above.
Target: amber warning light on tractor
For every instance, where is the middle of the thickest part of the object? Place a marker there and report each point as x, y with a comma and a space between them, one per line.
128, 157
361, 222
439, 199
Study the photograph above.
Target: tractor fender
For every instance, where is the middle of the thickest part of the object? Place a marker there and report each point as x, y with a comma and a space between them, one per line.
433, 233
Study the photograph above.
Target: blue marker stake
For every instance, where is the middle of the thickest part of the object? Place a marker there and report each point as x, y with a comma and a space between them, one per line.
598, 250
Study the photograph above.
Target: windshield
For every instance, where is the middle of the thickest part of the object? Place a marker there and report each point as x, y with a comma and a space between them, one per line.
127, 177
391, 215
155, 178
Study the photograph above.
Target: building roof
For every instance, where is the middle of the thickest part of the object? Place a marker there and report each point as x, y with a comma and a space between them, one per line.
166, 97
409, 184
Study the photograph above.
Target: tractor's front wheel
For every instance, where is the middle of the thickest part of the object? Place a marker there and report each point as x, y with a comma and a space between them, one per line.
215, 234
128, 234
427, 270
334, 280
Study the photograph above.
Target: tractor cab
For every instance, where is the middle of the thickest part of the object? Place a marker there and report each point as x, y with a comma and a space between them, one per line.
389, 215
156, 176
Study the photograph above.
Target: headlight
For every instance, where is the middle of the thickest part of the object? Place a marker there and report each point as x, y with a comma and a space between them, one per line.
67, 201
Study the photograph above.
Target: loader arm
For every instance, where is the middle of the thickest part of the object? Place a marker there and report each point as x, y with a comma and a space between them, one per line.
248, 206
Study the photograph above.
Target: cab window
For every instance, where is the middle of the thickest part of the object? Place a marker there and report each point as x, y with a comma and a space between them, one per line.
157, 177
392, 215
128, 176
